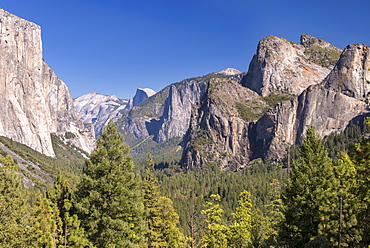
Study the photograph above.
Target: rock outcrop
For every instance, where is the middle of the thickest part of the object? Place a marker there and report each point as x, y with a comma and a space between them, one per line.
351, 75
34, 101
282, 66
220, 126
167, 114
95, 110
225, 130
140, 96
329, 106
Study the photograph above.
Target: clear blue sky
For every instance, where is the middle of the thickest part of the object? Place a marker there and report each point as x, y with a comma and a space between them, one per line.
114, 47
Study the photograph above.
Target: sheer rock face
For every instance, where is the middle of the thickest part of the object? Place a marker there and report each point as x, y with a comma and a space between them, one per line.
218, 133
34, 101
329, 106
167, 114
141, 95
177, 110
351, 75
281, 66
95, 110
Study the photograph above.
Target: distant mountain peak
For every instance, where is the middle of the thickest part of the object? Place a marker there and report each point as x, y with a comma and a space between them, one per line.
148, 91
229, 72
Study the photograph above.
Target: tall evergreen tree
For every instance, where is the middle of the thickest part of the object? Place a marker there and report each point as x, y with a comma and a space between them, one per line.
215, 233
274, 214
48, 224
161, 217
15, 221
345, 230
72, 234
166, 225
241, 229
360, 156
309, 198
108, 198
151, 195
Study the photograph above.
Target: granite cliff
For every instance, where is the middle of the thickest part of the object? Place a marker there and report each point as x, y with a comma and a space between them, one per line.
282, 66
329, 106
220, 125
34, 101
246, 126
166, 114
140, 96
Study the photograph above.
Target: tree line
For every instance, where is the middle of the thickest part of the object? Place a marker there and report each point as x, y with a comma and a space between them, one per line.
323, 202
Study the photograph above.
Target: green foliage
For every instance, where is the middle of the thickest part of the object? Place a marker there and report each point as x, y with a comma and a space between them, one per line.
360, 156
189, 189
68, 161
275, 98
249, 111
338, 142
309, 197
108, 198
71, 233
345, 229
274, 216
216, 232
326, 57
161, 218
169, 150
167, 225
48, 224
69, 135
241, 229
16, 222
3, 153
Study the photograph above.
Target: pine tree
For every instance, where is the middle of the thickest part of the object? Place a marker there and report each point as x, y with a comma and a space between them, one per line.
215, 233
151, 195
166, 226
241, 229
274, 214
309, 198
16, 223
345, 230
108, 198
161, 217
48, 224
72, 234
360, 156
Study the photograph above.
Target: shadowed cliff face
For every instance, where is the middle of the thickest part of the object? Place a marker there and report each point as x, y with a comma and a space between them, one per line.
281, 66
219, 127
34, 101
219, 134
329, 106
167, 114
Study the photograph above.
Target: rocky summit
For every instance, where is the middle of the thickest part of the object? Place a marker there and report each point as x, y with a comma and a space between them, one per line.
329, 106
34, 101
264, 125
282, 66
95, 110
220, 126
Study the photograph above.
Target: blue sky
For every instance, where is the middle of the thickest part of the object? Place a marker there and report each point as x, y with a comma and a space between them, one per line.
114, 47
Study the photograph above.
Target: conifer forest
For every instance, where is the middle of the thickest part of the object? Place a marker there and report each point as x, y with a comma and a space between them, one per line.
318, 196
